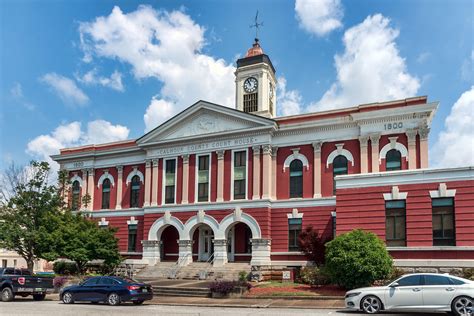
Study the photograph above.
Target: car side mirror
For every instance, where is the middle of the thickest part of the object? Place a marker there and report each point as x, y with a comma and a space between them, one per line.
394, 284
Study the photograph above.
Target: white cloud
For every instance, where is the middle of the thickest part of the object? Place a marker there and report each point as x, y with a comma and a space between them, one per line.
319, 17
65, 88
158, 111
370, 69
455, 144
70, 135
423, 57
289, 102
166, 46
16, 92
91, 78
467, 68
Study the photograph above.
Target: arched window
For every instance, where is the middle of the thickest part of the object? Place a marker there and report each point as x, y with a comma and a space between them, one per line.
106, 194
135, 191
296, 179
393, 160
76, 194
339, 167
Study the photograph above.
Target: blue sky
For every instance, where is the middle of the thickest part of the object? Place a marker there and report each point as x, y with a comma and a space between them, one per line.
76, 72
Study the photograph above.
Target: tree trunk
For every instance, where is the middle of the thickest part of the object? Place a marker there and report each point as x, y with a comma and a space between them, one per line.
30, 264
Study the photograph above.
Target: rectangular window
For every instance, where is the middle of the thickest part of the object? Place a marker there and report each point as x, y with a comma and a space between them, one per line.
132, 238
395, 223
15, 263
203, 178
333, 217
294, 229
251, 102
240, 174
170, 181
4, 263
443, 222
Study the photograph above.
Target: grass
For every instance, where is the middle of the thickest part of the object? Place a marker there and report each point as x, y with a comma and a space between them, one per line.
277, 284
288, 294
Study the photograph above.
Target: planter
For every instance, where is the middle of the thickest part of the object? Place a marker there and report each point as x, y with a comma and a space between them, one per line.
237, 292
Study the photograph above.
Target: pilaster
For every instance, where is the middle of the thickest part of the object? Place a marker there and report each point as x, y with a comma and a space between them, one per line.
147, 182
364, 154
424, 132
317, 169
411, 135
118, 204
185, 252
220, 175
374, 143
267, 171
151, 251
185, 199
261, 252
84, 187
220, 252
274, 172
90, 187
256, 172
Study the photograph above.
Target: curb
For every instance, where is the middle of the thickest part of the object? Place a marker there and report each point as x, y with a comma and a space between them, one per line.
248, 306
296, 297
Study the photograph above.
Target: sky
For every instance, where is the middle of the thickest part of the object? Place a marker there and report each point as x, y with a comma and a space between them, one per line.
80, 72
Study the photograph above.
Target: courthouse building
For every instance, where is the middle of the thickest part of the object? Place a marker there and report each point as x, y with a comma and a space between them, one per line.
239, 184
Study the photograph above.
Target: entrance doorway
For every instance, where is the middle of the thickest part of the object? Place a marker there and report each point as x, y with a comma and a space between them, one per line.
206, 243
239, 245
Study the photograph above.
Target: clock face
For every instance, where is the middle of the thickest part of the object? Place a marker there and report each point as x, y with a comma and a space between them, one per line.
250, 85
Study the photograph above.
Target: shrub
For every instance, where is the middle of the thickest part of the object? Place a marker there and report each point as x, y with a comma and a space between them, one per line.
314, 276
225, 287
468, 273
243, 276
312, 245
65, 268
357, 259
59, 282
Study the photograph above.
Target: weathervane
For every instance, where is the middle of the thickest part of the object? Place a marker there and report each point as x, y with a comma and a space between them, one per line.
256, 26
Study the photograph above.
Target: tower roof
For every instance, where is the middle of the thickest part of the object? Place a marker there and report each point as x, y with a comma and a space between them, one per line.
255, 50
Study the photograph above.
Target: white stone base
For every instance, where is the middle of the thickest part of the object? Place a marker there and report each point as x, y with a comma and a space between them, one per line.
261, 252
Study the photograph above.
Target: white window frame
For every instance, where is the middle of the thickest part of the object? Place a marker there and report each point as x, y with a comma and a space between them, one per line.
163, 189
246, 174
196, 180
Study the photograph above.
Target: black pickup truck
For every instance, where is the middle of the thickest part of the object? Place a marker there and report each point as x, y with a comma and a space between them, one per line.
20, 282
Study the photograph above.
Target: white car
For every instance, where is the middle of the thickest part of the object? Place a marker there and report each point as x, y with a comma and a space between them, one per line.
428, 292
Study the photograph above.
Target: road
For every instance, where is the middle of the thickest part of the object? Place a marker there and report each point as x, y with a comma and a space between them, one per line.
52, 308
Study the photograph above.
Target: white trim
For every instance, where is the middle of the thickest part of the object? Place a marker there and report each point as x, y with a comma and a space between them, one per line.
246, 173
196, 178
163, 186
76, 178
200, 218
103, 222
442, 192
105, 175
393, 145
339, 151
162, 223
236, 217
294, 214
433, 248
400, 177
295, 155
395, 194
287, 253
135, 172
289, 263
435, 263
132, 221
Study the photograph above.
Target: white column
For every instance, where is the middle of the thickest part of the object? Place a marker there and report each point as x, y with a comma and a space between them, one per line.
267, 171
220, 252
261, 252
185, 194
220, 175
274, 172
424, 132
147, 182
374, 143
118, 204
84, 186
256, 172
317, 169
411, 135
90, 188
185, 252
364, 154
151, 251
154, 187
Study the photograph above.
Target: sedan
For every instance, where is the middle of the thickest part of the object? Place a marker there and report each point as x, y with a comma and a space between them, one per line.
427, 292
111, 290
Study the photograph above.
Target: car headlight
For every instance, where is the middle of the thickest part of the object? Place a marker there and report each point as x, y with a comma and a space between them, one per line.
352, 294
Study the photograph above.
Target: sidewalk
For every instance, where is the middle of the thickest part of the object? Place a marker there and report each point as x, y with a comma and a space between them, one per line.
248, 302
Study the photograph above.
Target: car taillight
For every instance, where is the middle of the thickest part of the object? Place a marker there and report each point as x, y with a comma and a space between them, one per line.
21, 281
133, 287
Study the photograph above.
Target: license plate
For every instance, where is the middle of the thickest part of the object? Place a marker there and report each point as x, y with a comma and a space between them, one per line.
145, 291
38, 289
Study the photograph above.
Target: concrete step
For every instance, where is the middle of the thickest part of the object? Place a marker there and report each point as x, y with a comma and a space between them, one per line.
181, 291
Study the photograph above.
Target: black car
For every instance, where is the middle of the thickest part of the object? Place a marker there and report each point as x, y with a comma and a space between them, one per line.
108, 289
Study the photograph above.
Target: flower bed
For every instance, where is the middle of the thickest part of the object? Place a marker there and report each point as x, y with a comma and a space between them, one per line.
294, 289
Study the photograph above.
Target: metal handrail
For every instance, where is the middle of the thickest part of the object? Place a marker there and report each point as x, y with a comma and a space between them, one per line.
203, 273
173, 271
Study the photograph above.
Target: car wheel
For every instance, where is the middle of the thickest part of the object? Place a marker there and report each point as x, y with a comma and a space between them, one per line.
113, 299
371, 304
39, 297
7, 295
68, 298
462, 306
137, 302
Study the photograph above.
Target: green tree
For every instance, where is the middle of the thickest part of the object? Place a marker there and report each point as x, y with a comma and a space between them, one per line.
29, 215
357, 259
82, 240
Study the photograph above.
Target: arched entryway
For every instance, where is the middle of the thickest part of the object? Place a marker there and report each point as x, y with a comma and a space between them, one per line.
239, 243
169, 250
203, 243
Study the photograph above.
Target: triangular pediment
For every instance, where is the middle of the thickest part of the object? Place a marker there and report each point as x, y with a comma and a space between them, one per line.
205, 119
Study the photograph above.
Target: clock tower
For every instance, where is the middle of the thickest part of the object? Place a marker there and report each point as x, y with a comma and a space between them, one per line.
256, 83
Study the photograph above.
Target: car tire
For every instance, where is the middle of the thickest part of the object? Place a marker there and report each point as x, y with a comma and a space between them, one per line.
68, 298
371, 304
39, 297
137, 302
7, 295
462, 305
113, 299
